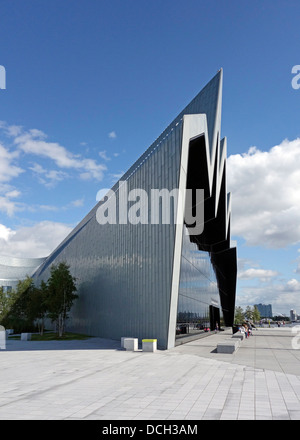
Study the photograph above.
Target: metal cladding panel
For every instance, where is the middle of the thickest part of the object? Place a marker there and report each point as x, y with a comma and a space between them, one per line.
128, 275
124, 271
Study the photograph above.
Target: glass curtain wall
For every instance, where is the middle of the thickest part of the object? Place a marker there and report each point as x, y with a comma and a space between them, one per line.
198, 291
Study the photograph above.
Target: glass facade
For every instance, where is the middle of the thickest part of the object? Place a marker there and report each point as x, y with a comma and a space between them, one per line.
198, 291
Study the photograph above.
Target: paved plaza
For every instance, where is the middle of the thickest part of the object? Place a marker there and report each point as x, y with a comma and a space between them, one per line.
95, 379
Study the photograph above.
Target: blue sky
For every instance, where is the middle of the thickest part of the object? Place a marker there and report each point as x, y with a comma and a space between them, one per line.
91, 84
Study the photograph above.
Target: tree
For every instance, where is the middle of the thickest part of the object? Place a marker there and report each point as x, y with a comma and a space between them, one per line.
256, 314
37, 310
17, 313
4, 303
239, 315
60, 298
249, 313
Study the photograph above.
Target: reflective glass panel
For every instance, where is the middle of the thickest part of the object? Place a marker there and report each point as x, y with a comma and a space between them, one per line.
198, 290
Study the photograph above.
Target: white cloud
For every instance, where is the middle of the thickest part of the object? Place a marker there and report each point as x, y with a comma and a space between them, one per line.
92, 169
55, 175
48, 177
8, 203
45, 208
112, 135
7, 206
5, 233
103, 155
265, 195
10, 206
32, 241
292, 285
117, 176
34, 142
243, 262
262, 274
77, 203
10, 130
283, 296
8, 170
13, 193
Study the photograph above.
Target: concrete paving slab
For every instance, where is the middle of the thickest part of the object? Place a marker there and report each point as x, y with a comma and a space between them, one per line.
96, 379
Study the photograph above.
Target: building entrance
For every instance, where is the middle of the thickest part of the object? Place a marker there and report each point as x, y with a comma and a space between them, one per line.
214, 317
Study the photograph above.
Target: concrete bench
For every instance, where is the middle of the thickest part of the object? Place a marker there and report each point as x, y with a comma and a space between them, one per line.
239, 335
149, 345
122, 340
25, 336
131, 344
3, 337
2, 340
228, 346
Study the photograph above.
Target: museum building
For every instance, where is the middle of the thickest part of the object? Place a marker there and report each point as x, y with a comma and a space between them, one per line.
159, 279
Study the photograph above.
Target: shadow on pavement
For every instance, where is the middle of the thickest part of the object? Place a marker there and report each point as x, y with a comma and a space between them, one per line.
92, 343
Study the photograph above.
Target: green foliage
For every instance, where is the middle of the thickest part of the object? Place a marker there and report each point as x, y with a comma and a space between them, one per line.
61, 287
281, 318
26, 308
38, 305
51, 336
251, 314
256, 314
17, 308
4, 303
239, 315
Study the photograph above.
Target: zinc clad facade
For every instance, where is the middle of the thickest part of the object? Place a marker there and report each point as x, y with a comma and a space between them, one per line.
128, 275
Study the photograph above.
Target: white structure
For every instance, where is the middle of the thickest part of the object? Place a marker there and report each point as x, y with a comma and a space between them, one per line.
2, 77
13, 270
131, 344
149, 345
2, 338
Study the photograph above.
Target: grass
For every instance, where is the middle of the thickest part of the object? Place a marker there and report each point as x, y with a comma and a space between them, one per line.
52, 336
49, 336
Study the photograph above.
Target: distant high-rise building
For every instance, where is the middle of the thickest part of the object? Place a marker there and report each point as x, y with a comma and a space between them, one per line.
293, 315
265, 310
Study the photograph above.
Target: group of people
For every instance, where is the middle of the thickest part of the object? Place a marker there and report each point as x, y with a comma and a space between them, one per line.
246, 328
